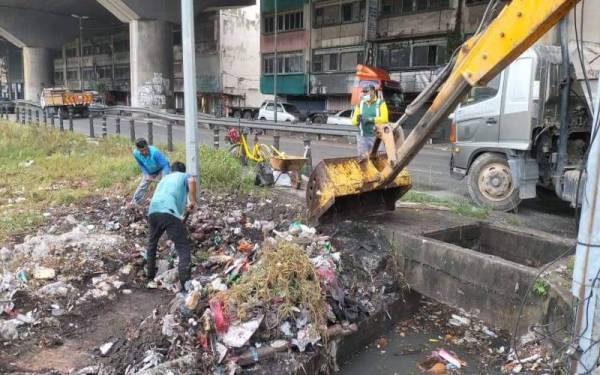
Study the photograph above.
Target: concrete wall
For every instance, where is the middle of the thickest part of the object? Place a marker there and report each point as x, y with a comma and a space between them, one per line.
240, 54
151, 48
286, 42
337, 36
37, 71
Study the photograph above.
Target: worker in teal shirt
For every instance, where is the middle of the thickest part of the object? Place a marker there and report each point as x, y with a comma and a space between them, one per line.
175, 193
151, 162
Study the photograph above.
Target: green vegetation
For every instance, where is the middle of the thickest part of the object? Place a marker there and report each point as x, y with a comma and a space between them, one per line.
571, 266
42, 167
460, 206
541, 287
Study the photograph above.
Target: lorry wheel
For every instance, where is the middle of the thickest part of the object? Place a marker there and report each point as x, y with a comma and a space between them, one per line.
247, 115
490, 183
237, 114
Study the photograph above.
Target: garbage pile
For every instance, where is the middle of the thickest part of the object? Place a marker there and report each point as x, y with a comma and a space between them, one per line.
260, 288
52, 272
263, 285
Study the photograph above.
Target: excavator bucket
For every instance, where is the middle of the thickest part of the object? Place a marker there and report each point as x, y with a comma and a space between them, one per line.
350, 187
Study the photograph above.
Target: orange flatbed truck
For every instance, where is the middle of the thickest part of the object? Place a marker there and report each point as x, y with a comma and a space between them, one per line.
60, 101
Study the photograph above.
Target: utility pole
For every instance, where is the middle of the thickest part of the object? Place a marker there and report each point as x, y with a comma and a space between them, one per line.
80, 18
586, 285
275, 64
189, 89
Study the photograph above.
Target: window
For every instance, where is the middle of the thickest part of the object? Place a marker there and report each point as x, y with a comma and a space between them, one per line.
327, 16
408, 6
287, 63
89, 74
285, 22
122, 72
413, 54
71, 52
400, 57
121, 45
331, 62
349, 60
481, 93
346, 113
353, 12
58, 77
104, 72
268, 65
269, 24
317, 63
88, 50
476, 2
72, 75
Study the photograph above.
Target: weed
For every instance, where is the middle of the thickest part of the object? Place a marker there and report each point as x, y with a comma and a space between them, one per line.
284, 273
541, 287
42, 167
459, 206
514, 221
571, 265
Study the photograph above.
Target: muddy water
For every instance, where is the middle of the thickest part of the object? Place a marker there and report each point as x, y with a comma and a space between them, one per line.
414, 339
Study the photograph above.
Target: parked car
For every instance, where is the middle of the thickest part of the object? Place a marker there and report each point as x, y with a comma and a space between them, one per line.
10, 105
285, 112
341, 118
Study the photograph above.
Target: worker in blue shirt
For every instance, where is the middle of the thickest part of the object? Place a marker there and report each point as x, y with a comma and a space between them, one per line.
151, 162
175, 193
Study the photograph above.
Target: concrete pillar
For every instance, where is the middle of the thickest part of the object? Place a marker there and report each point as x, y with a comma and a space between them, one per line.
151, 61
37, 71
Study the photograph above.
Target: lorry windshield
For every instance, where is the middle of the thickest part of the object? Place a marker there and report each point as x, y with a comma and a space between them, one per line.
393, 97
481, 93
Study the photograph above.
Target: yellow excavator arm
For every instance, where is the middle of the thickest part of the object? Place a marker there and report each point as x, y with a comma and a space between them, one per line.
353, 186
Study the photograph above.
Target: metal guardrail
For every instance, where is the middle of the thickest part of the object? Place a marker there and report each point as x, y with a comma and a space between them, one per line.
25, 110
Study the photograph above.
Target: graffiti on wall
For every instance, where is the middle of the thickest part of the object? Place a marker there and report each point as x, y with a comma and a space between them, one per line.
153, 94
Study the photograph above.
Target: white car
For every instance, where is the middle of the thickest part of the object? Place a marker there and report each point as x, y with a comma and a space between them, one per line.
285, 112
341, 118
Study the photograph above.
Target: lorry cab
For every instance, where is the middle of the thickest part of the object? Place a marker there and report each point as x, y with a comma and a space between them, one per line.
504, 133
389, 90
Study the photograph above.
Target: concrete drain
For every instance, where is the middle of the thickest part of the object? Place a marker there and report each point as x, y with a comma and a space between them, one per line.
518, 247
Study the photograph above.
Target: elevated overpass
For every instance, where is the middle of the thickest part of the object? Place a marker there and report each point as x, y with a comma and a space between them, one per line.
38, 27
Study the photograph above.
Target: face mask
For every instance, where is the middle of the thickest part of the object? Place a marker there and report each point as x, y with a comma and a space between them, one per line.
366, 97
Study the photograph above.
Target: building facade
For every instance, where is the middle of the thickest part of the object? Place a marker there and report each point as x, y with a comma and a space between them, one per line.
320, 42
227, 64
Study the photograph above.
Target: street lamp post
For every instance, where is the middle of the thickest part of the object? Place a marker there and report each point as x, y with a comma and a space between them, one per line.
80, 18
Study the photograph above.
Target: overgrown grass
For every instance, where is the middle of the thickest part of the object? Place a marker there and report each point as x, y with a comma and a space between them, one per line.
460, 206
43, 167
219, 170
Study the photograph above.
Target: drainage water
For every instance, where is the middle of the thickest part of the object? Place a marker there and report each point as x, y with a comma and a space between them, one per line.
414, 338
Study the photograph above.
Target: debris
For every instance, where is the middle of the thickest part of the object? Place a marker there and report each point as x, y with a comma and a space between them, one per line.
104, 349
381, 343
459, 321
192, 299
306, 336
450, 357
44, 273
239, 333
168, 326
8, 329
221, 321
